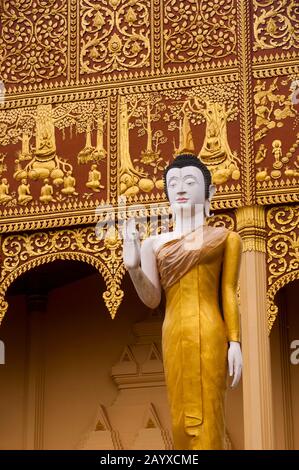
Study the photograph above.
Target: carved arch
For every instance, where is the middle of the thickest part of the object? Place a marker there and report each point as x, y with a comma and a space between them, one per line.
23, 252
272, 308
282, 253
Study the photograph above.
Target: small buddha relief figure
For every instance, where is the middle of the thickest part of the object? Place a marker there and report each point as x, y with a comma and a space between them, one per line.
4, 191
277, 153
69, 184
24, 195
46, 194
261, 154
198, 266
94, 178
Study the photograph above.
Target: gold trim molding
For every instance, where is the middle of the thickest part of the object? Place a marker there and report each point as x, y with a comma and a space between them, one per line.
251, 226
49, 218
246, 103
92, 90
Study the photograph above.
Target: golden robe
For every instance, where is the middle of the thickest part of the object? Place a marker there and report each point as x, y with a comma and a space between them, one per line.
201, 317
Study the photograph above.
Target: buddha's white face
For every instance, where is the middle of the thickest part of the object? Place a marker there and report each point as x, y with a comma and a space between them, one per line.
186, 187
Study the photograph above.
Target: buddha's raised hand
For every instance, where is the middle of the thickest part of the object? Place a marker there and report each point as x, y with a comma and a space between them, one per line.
131, 244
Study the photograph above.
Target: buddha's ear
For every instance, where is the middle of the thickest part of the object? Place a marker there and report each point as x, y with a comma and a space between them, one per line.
212, 191
207, 208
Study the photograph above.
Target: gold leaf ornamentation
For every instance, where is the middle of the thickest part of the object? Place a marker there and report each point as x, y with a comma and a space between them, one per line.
24, 251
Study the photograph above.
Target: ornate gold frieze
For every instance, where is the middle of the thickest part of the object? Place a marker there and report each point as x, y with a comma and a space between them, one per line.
215, 106
276, 140
41, 179
228, 196
107, 125
271, 107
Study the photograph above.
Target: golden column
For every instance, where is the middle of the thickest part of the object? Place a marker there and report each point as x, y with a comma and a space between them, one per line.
257, 383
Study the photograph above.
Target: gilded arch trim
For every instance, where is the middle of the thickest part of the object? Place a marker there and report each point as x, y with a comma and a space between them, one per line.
23, 252
272, 308
282, 253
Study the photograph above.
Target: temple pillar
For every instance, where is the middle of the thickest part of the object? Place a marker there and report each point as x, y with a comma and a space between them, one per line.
257, 383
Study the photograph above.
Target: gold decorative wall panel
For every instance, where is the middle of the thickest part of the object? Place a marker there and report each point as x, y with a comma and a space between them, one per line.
276, 25
34, 41
115, 35
199, 32
276, 140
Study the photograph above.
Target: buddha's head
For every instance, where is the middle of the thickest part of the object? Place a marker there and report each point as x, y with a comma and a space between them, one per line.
187, 184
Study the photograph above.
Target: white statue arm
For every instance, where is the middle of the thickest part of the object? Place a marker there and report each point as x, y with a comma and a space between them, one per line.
230, 275
141, 264
235, 362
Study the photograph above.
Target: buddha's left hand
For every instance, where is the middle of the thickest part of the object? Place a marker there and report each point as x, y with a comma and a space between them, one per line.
235, 362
